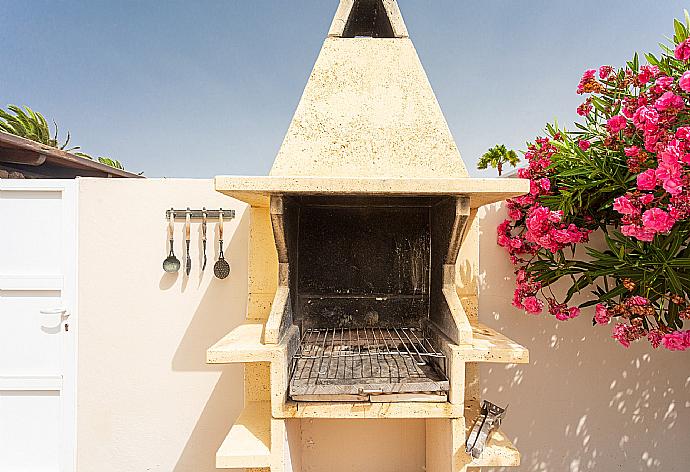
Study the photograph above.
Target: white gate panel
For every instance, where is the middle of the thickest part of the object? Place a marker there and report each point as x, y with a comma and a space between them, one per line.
38, 325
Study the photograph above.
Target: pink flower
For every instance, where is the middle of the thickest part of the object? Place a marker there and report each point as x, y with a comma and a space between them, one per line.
624, 206
620, 334
684, 81
647, 180
682, 51
683, 133
584, 144
632, 151
669, 101
657, 220
676, 341
655, 336
616, 123
637, 300
585, 108
636, 231
605, 71
646, 73
587, 81
601, 314
646, 199
533, 305
545, 184
646, 119
514, 214
662, 84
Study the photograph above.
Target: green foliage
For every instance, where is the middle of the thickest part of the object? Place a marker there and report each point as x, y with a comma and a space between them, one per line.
32, 125
496, 157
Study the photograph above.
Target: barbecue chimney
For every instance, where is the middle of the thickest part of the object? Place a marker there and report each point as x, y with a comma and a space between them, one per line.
354, 309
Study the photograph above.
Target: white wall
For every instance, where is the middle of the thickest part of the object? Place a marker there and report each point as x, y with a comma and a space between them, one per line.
147, 400
583, 402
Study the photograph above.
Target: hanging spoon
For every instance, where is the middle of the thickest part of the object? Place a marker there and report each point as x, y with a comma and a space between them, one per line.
171, 263
203, 236
187, 238
221, 268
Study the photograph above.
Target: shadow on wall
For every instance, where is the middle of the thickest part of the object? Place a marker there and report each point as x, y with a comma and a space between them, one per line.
583, 402
207, 326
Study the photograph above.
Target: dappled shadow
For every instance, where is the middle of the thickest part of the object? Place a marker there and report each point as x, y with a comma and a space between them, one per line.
583, 402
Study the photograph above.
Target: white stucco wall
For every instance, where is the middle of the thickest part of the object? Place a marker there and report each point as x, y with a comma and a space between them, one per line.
148, 401
583, 403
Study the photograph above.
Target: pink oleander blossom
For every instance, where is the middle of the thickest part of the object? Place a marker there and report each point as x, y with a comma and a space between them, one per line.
684, 81
605, 71
533, 305
669, 101
657, 220
647, 73
624, 206
647, 180
676, 341
616, 123
655, 336
584, 144
682, 51
601, 314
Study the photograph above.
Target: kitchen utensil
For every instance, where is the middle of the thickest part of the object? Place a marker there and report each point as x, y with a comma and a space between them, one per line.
203, 236
171, 263
489, 420
187, 228
221, 268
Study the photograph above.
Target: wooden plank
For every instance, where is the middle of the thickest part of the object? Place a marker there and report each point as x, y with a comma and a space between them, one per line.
248, 444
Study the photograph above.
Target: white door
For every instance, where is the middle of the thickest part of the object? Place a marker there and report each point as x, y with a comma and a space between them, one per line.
37, 325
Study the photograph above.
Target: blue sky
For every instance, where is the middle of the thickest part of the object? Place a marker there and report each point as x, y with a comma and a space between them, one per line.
196, 89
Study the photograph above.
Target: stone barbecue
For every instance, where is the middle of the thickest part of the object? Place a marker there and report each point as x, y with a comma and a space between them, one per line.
364, 262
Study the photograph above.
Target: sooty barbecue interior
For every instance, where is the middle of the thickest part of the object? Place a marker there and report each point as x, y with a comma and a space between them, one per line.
362, 279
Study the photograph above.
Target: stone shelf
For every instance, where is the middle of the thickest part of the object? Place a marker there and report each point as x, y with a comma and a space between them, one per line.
489, 345
363, 410
248, 444
256, 191
498, 452
242, 344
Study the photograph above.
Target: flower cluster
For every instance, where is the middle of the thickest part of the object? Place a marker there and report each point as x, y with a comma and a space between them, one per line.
626, 172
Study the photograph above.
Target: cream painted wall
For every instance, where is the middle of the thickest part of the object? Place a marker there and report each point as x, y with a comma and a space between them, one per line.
583, 403
147, 401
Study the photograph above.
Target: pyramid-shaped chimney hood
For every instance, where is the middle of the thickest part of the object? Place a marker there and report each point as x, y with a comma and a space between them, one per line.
368, 122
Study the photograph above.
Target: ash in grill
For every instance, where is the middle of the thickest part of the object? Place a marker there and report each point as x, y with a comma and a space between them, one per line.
361, 278
365, 361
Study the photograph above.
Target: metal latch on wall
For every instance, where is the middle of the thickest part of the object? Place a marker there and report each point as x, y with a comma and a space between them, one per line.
489, 420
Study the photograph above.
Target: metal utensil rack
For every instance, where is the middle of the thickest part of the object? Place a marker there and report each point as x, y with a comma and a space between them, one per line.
199, 214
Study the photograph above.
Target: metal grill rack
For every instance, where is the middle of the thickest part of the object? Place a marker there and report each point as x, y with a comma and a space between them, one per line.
360, 361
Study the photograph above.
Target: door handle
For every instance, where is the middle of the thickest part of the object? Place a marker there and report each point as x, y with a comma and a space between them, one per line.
53, 318
56, 311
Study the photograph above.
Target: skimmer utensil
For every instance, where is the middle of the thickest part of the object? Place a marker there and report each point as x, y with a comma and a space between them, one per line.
187, 238
171, 263
221, 268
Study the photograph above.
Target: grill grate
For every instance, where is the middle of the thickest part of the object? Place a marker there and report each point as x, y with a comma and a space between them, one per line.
334, 356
